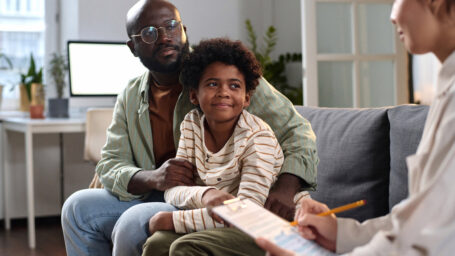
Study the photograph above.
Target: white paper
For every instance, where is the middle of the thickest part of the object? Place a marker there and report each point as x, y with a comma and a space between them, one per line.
257, 222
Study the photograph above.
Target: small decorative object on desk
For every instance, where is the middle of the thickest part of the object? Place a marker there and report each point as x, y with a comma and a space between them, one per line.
58, 107
32, 90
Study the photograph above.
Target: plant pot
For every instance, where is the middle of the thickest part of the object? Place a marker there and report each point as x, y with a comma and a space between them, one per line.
24, 101
37, 94
37, 111
58, 108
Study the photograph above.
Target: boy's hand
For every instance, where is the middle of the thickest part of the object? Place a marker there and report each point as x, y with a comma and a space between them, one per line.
160, 222
214, 197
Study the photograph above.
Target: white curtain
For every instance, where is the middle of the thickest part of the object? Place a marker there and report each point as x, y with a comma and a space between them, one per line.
425, 71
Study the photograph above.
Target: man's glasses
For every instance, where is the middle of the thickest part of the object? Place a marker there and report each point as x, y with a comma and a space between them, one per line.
150, 34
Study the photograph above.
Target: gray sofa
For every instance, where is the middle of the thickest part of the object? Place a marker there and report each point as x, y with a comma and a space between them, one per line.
362, 155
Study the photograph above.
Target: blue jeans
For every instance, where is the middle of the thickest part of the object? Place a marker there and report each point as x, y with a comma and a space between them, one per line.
95, 222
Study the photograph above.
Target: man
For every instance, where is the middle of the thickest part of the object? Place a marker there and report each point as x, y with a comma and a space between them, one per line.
137, 163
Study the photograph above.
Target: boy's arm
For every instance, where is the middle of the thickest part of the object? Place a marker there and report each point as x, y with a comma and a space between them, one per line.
260, 163
186, 197
188, 221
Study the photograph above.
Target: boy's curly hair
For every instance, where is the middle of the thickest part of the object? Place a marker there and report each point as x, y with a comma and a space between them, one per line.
225, 51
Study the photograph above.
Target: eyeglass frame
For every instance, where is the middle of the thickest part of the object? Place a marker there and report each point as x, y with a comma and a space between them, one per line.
179, 24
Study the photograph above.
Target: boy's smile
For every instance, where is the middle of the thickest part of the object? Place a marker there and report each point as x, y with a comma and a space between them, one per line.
221, 94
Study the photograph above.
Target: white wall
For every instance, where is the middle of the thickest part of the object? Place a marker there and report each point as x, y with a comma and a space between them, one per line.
92, 20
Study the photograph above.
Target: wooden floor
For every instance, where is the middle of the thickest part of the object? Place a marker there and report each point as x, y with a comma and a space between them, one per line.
49, 238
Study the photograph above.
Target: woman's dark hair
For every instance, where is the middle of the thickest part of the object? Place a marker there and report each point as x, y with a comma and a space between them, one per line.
225, 51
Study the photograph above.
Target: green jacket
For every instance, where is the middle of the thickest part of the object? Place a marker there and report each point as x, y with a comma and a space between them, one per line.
129, 146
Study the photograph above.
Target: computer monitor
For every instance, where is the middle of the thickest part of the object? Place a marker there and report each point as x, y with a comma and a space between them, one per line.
98, 71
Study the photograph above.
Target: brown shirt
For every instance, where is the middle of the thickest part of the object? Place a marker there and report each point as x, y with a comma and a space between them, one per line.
162, 100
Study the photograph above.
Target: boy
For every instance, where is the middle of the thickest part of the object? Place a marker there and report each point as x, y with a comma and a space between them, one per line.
235, 152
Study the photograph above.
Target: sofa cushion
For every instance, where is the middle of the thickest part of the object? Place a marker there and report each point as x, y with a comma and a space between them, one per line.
406, 128
353, 147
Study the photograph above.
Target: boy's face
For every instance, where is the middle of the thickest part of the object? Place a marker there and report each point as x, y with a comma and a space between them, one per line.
221, 94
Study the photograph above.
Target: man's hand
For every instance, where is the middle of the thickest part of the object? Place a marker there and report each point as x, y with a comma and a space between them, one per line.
321, 229
281, 197
214, 197
160, 222
271, 248
173, 172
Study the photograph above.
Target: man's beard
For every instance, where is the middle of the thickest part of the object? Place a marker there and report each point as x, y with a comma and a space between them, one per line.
153, 65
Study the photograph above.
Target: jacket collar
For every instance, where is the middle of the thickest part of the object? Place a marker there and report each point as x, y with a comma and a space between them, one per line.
446, 76
144, 88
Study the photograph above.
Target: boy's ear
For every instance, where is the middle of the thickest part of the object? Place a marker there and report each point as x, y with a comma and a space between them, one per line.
247, 99
193, 97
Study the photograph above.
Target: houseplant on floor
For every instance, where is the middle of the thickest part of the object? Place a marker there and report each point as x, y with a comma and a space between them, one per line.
58, 107
32, 90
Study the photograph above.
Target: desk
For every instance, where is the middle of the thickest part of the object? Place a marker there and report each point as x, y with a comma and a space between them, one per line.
29, 127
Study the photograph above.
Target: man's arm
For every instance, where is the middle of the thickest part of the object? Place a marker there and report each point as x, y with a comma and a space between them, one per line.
298, 142
117, 164
121, 172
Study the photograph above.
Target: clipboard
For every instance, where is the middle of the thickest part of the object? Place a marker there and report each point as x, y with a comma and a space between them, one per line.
257, 221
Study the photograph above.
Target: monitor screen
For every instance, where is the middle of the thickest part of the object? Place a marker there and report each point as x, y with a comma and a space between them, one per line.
101, 68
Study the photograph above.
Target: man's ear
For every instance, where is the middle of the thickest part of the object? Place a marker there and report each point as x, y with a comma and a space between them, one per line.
131, 46
247, 99
193, 97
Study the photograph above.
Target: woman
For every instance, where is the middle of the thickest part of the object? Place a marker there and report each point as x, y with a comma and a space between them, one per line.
424, 223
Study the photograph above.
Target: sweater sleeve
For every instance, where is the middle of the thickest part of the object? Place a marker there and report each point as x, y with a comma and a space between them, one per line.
188, 221
117, 164
260, 163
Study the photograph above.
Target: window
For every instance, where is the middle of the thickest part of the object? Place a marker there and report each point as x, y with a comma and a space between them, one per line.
352, 57
22, 30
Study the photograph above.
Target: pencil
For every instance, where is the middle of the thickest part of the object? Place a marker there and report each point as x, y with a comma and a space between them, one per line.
338, 209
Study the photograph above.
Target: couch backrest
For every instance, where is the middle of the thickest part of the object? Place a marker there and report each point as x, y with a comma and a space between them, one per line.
355, 156
406, 128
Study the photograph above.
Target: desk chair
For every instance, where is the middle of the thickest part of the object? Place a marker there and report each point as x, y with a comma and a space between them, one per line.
97, 122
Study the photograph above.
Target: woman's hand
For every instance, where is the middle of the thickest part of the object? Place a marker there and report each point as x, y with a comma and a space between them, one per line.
161, 221
321, 229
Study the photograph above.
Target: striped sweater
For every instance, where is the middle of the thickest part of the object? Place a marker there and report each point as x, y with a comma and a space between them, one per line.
245, 167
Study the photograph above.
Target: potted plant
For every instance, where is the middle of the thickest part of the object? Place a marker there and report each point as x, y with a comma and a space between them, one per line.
274, 71
9, 65
32, 90
58, 107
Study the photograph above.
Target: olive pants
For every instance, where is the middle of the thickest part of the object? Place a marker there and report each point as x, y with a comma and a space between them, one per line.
220, 241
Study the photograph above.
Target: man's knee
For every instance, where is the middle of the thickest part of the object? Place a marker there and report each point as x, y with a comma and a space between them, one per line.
159, 243
74, 205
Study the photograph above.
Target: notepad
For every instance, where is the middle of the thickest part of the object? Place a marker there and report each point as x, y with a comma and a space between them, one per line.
257, 221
